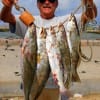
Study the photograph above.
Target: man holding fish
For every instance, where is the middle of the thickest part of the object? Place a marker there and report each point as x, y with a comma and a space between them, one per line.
53, 54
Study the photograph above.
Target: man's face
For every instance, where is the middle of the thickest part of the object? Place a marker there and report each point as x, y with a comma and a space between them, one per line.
47, 8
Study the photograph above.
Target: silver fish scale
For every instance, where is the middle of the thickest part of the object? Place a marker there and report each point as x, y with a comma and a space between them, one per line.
75, 41
29, 59
65, 54
43, 68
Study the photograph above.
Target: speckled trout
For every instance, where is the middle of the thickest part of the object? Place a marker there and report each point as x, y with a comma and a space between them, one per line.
29, 59
54, 56
65, 54
43, 68
73, 38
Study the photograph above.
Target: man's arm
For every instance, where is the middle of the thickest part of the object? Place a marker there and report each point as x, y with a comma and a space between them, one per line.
90, 11
15, 25
5, 14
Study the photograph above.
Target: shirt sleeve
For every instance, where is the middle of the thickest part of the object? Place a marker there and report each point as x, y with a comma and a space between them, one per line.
12, 28
19, 29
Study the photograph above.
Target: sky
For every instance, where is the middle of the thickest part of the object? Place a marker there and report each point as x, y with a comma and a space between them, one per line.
65, 7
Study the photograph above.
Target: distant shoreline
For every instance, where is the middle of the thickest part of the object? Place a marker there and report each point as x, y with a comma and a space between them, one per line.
93, 31
4, 29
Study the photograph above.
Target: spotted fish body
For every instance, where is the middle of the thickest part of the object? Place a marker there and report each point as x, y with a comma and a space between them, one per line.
43, 68
54, 56
65, 54
73, 39
29, 59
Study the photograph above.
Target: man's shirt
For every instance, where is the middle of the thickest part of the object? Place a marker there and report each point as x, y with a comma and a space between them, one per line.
20, 28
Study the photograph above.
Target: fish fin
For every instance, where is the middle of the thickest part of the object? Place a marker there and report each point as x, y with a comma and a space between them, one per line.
38, 85
75, 77
67, 82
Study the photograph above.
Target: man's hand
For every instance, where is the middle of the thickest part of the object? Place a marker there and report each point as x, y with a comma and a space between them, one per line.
90, 11
9, 3
85, 2
90, 8
5, 14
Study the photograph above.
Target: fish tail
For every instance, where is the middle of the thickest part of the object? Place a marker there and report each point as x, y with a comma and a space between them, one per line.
68, 81
83, 57
27, 76
75, 77
38, 85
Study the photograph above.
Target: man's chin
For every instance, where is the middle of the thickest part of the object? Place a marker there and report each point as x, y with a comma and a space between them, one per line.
48, 12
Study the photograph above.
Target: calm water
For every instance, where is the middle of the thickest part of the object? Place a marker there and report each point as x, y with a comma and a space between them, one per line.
90, 36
